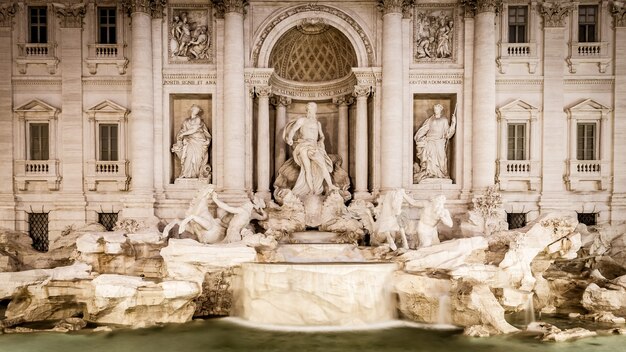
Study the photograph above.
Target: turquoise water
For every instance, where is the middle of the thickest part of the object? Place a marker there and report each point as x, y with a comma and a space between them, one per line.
224, 335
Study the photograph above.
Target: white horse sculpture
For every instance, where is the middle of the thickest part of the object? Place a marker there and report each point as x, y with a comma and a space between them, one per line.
389, 224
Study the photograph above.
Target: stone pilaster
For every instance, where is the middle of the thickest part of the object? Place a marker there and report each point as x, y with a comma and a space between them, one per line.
263, 142
392, 99
140, 203
554, 121
234, 96
280, 147
360, 143
7, 198
484, 123
70, 208
342, 130
618, 199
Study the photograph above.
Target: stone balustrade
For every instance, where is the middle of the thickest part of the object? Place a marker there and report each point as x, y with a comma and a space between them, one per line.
107, 171
27, 171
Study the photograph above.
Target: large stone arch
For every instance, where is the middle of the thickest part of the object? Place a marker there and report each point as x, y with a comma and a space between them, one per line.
277, 25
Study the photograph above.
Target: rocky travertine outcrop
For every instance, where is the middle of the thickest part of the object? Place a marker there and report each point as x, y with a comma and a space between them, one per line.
611, 298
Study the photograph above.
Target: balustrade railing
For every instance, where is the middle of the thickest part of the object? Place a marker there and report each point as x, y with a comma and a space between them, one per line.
517, 49
587, 166
104, 51
35, 50
110, 168
590, 49
39, 167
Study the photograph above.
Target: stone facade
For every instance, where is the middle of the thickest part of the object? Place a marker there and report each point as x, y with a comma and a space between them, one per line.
373, 67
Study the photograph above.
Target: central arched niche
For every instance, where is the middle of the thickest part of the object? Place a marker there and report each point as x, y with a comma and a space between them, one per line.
313, 51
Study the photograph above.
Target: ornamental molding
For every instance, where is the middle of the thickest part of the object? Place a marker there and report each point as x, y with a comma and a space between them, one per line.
190, 76
225, 6
555, 13
344, 100
362, 91
153, 8
263, 91
7, 12
473, 7
589, 81
430, 79
519, 82
302, 91
36, 82
279, 100
395, 6
619, 13
106, 82
71, 15
313, 8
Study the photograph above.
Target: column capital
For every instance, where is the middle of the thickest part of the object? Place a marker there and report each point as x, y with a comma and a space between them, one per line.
362, 91
263, 91
280, 100
343, 100
395, 6
150, 7
71, 15
7, 12
619, 13
473, 7
225, 6
555, 13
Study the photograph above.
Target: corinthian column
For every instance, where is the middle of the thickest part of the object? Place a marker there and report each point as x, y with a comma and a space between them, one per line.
618, 200
263, 142
280, 147
140, 205
342, 130
360, 142
484, 125
7, 199
234, 95
391, 124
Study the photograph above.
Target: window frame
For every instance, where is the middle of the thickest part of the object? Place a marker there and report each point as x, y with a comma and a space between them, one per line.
525, 25
596, 139
595, 23
111, 27
525, 141
29, 139
39, 25
99, 125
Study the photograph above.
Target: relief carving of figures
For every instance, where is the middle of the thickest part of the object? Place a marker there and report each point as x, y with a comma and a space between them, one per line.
555, 13
311, 170
192, 146
431, 144
189, 36
434, 32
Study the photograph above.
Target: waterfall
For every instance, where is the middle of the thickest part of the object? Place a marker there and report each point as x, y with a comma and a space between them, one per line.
444, 311
529, 310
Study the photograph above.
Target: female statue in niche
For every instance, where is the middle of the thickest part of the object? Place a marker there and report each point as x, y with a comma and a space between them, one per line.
192, 146
431, 143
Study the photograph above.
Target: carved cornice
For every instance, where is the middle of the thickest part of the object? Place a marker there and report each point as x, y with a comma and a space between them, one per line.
395, 6
263, 91
225, 6
619, 13
71, 15
277, 100
153, 8
362, 91
343, 100
473, 7
7, 12
555, 13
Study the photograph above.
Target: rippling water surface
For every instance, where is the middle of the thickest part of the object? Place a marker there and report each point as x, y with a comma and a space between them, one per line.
224, 335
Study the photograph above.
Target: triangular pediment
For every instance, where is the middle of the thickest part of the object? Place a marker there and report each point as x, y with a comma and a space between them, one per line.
108, 106
37, 106
589, 105
518, 105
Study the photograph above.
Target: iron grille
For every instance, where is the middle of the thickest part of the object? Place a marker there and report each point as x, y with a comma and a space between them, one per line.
589, 219
107, 220
516, 220
38, 230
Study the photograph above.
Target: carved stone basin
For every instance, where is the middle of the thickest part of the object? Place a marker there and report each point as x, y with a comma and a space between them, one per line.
318, 294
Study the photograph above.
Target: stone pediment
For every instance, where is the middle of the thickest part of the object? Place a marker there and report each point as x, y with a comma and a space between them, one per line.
37, 106
589, 108
518, 109
107, 108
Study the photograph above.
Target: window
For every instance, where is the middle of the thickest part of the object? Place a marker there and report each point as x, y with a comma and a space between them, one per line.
108, 220
516, 141
516, 220
106, 25
38, 230
108, 142
38, 24
518, 19
39, 146
586, 141
589, 219
587, 23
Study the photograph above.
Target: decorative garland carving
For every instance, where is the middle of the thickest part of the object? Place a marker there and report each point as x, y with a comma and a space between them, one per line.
7, 12
395, 6
313, 8
71, 15
555, 13
619, 13
224, 6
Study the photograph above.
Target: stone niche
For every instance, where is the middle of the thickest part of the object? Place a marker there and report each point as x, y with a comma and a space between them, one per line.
180, 104
422, 109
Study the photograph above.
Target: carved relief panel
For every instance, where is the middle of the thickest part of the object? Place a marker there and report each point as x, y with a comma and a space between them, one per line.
190, 34
434, 34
